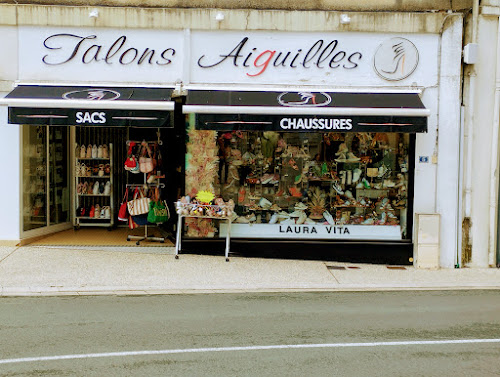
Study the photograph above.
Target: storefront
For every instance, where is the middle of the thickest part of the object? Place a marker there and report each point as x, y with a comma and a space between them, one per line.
320, 138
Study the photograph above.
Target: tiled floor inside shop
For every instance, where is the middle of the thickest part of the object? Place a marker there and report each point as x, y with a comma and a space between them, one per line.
100, 237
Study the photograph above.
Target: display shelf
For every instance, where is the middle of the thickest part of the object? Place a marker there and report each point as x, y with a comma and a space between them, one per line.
93, 176
185, 209
86, 199
93, 195
96, 159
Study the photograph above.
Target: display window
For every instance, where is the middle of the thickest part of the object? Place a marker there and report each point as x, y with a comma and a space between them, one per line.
303, 185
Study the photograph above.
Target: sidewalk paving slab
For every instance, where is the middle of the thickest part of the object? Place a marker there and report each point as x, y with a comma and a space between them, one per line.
49, 271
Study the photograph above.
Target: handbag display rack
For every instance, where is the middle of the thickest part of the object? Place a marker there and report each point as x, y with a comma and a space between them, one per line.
146, 236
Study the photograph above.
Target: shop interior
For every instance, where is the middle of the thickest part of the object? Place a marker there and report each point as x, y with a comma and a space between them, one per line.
78, 178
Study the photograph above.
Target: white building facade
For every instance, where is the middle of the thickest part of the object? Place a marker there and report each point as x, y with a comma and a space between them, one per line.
454, 180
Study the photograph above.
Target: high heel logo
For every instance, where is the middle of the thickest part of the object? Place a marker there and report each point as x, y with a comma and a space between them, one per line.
304, 99
395, 59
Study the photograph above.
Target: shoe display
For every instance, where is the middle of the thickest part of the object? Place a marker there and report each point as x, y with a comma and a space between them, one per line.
356, 174
83, 151
274, 218
107, 188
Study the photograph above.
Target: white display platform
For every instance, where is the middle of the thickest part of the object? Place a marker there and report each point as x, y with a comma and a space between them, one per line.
317, 231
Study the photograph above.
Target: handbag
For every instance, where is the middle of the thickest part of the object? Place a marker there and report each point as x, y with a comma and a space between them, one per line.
131, 163
146, 164
138, 206
123, 211
131, 223
158, 210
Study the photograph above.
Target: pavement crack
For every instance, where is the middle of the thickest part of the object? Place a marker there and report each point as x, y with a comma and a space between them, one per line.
8, 255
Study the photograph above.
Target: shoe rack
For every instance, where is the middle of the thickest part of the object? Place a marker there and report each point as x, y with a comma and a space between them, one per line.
93, 186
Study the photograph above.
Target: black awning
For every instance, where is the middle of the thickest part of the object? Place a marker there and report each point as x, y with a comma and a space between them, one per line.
340, 111
89, 105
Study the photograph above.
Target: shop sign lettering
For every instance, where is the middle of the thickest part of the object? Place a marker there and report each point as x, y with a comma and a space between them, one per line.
322, 54
96, 117
305, 229
82, 48
316, 124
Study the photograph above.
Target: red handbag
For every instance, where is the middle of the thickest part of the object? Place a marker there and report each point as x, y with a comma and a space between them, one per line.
123, 212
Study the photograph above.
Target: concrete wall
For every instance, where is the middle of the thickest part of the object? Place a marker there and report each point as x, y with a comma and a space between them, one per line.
351, 5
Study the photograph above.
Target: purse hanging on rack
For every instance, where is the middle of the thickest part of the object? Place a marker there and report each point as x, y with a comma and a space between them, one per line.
131, 163
138, 206
158, 210
146, 164
123, 212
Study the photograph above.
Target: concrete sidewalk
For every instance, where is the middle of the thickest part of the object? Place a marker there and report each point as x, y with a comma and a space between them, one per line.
35, 271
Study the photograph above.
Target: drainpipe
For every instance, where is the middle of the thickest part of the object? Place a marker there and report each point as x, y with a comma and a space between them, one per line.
494, 163
470, 118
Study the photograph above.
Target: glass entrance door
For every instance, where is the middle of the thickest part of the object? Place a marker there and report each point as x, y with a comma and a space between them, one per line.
45, 176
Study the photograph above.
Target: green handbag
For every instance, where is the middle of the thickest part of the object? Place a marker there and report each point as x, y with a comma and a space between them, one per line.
158, 211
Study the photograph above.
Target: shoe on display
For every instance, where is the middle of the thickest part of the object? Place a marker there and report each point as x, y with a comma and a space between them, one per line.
92, 212
389, 183
337, 188
295, 192
274, 218
107, 212
97, 211
309, 221
105, 151
101, 188
368, 221
365, 183
296, 213
99, 151
83, 151
302, 218
85, 187
329, 218
95, 190
107, 188
349, 195
264, 203
351, 157
94, 151
356, 174
89, 151
288, 221
381, 171
103, 213
300, 206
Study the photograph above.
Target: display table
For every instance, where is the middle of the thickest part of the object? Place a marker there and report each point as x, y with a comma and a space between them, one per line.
202, 211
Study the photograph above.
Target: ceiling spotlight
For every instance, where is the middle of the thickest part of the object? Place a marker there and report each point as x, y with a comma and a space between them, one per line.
345, 19
219, 16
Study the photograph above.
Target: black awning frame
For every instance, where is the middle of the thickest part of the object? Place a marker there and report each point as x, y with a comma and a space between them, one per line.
89, 105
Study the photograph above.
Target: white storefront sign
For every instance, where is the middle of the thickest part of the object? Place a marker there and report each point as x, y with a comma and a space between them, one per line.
333, 59
318, 231
227, 57
100, 55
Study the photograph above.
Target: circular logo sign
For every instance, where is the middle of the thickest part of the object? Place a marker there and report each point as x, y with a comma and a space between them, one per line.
304, 99
395, 59
93, 94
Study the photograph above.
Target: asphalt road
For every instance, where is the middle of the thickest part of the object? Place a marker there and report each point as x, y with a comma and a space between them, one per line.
103, 333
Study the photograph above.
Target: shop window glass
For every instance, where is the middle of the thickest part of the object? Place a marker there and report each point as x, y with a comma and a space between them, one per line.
333, 179
34, 177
